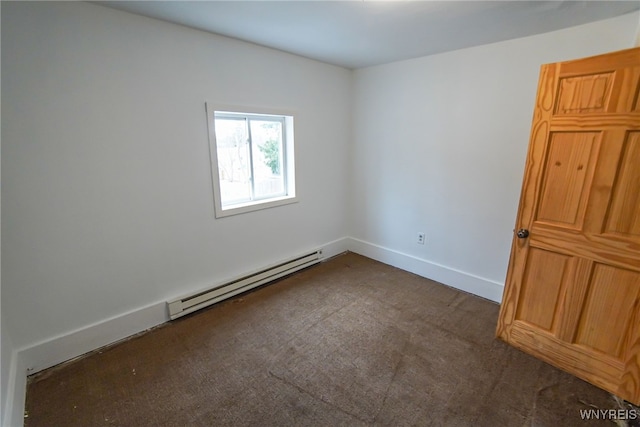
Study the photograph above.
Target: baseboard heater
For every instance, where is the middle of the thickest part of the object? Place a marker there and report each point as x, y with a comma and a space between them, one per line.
193, 302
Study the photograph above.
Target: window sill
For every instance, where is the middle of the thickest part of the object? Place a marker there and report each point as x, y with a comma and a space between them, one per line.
241, 208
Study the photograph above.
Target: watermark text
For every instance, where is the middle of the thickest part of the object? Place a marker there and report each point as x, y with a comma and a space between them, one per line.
610, 414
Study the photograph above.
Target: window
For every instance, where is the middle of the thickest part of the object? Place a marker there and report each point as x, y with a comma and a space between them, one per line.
252, 160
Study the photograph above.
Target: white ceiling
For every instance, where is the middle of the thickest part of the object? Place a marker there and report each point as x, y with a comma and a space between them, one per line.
355, 34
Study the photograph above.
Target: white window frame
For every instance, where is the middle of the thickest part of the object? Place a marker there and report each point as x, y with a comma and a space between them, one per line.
288, 160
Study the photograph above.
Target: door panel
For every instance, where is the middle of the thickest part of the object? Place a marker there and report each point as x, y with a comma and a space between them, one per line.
572, 294
539, 304
581, 94
625, 205
609, 287
568, 171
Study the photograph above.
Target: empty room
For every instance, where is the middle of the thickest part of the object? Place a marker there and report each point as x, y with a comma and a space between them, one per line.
309, 213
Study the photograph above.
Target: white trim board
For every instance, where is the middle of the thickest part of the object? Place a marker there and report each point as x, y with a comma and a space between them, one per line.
67, 346
72, 344
335, 247
467, 282
53, 351
13, 411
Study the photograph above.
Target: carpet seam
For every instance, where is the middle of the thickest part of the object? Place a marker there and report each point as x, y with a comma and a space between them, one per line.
308, 393
395, 372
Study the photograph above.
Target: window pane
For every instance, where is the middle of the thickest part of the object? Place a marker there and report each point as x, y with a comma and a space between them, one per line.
253, 157
268, 152
233, 160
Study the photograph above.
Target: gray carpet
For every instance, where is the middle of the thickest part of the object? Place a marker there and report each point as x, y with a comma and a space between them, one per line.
349, 342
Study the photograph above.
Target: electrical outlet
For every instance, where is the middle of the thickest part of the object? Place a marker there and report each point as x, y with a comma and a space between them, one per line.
420, 238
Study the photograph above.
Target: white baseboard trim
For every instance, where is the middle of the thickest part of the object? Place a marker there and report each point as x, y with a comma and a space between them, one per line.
335, 247
32, 359
72, 344
13, 411
467, 282
61, 348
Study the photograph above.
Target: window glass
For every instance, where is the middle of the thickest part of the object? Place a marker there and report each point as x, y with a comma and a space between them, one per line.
253, 161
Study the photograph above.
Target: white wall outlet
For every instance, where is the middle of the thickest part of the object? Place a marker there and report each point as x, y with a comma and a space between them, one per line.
420, 238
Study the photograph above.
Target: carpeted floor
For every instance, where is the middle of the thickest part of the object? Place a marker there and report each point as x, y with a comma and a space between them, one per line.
349, 342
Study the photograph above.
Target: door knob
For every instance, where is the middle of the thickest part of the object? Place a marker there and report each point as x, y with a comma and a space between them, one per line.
523, 233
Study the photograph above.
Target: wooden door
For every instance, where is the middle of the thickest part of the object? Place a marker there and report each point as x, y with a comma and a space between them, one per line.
572, 295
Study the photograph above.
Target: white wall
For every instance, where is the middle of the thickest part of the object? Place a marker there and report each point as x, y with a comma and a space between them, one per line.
106, 187
6, 345
106, 180
106, 174
440, 145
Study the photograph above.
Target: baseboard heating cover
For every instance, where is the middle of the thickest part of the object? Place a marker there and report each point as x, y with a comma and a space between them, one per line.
193, 302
